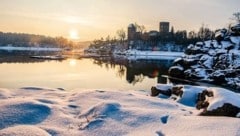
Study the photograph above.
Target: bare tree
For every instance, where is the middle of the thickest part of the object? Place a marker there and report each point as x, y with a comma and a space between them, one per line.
121, 34
236, 17
140, 28
205, 33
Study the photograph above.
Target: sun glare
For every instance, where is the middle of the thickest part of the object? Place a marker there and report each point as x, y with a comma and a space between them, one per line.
73, 34
72, 62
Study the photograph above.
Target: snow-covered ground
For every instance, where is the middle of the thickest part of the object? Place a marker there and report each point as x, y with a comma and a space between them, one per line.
10, 48
43, 111
137, 54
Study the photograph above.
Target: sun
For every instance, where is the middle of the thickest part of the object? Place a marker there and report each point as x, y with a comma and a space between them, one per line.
73, 34
72, 62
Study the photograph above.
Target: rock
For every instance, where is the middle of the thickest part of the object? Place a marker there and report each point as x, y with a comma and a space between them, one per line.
202, 105
201, 99
176, 71
190, 62
200, 44
156, 92
210, 61
236, 62
226, 110
223, 62
207, 61
178, 61
220, 34
177, 90
232, 73
218, 77
236, 30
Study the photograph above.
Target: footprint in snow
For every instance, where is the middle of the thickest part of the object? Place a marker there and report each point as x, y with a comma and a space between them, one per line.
164, 119
159, 133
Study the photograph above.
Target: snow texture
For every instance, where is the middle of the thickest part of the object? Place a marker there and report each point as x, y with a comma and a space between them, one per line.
42, 111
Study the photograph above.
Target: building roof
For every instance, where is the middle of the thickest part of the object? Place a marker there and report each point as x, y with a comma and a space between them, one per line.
131, 26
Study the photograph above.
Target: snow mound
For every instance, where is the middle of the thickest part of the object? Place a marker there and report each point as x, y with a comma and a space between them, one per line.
189, 126
223, 96
214, 101
22, 113
94, 116
102, 109
23, 130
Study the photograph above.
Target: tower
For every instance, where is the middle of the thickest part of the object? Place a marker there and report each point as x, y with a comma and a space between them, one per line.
164, 27
131, 32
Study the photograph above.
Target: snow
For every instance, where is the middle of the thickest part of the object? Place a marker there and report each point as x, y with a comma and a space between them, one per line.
153, 55
164, 87
223, 96
44, 111
23, 130
235, 40
9, 48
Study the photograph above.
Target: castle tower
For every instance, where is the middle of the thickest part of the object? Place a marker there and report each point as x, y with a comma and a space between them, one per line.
164, 27
131, 32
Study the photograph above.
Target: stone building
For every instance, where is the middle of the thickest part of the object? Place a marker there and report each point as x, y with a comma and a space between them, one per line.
164, 27
132, 30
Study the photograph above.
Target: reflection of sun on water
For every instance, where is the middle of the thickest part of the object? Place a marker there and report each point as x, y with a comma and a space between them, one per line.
72, 62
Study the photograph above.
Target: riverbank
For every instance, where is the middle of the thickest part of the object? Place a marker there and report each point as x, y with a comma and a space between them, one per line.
138, 55
49, 111
10, 48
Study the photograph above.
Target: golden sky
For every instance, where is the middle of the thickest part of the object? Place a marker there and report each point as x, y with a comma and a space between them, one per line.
91, 19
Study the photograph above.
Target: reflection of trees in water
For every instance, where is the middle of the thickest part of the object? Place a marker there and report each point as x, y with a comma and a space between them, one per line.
136, 71
22, 56
109, 63
135, 79
120, 71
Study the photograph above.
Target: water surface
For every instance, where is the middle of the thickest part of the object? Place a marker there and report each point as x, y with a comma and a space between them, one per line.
19, 70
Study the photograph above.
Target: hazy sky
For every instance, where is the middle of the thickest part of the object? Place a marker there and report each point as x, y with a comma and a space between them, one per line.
90, 19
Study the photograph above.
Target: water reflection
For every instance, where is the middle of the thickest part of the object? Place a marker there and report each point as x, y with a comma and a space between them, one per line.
22, 56
136, 70
18, 70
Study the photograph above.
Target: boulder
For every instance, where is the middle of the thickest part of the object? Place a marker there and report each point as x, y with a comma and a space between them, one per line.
226, 110
177, 90
176, 71
178, 61
201, 99
174, 90
220, 34
218, 77
236, 30
156, 91
207, 61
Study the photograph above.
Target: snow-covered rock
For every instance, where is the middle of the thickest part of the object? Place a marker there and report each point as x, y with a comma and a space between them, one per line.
210, 60
213, 101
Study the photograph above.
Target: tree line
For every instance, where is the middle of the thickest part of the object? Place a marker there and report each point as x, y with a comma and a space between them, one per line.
31, 40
